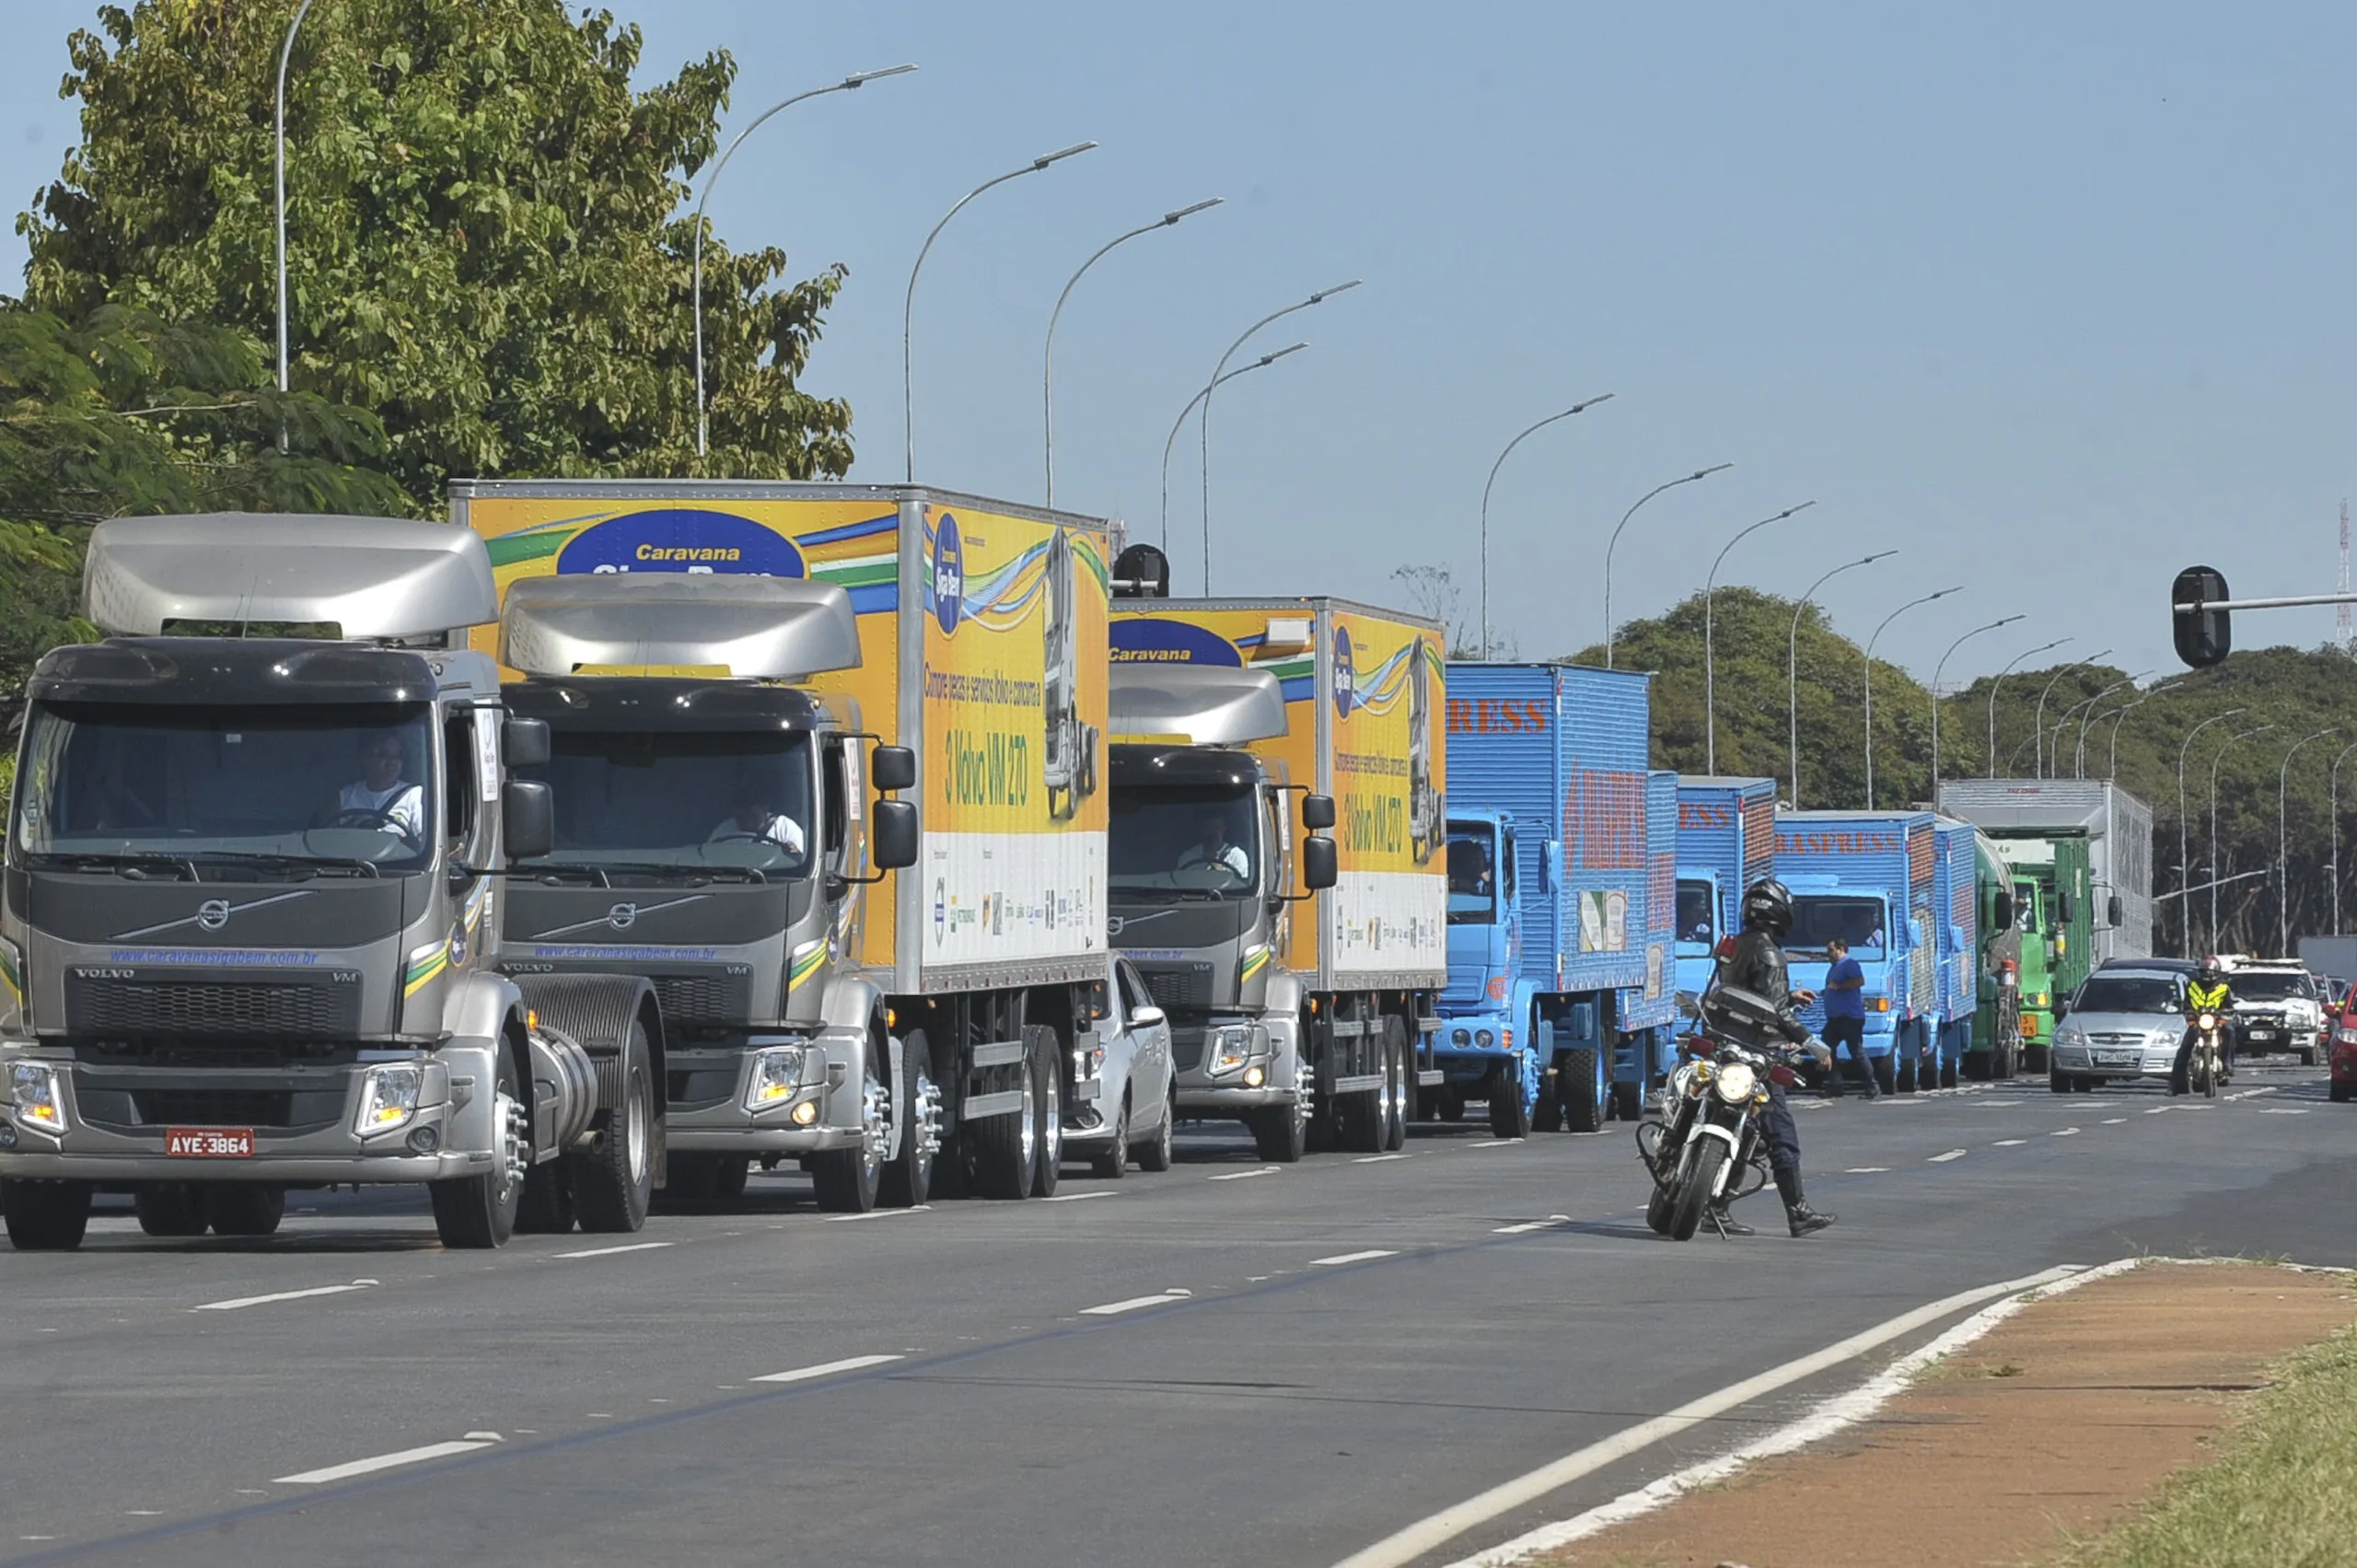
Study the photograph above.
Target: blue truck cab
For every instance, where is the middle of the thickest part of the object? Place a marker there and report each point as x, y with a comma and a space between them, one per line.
1726, 841
1867, 877
1561, 856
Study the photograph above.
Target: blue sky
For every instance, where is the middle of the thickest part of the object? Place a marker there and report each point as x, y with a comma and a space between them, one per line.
2053, 300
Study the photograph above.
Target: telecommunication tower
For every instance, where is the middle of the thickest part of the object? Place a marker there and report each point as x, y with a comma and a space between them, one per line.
2342, 632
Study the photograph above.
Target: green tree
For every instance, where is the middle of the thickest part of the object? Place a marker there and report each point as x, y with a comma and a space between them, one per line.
483, 245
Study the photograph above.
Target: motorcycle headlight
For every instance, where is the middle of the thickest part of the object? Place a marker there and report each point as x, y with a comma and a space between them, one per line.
777, 1073
387, 1099
1734, 1083
2206, 1021
34, 1087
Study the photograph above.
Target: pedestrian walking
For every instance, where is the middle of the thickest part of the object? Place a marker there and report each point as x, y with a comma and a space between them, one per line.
1845, 1015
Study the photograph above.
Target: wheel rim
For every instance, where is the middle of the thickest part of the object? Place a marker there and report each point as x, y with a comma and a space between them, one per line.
635, 1132
514, 1145
1051, 1121
925, 1126
876, 1122
1027, 1130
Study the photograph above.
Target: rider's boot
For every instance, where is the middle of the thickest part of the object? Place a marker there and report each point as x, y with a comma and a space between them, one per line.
1724, 1217
1803, 1220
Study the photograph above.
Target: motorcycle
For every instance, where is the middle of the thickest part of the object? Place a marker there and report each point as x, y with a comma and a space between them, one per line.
2205, 1065
1703, 1143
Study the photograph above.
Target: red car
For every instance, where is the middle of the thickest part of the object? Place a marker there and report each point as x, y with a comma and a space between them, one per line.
2342, 1019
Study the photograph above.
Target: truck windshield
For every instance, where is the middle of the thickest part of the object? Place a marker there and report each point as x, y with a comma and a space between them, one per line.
687, 799
1199, 839
2271, 985
117, 785
1817, 919
1473, 874
2025, 906
1698, 916
2130, 994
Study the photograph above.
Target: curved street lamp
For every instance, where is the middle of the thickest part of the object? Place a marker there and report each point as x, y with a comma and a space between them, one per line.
2216, 868
1793, 668
2038, 728
2119, 716
278, 137
1887, 619
908, 307
2184, 855
2079, 764
1936, 671
1710, 659
1193, 404
2283, 840
1532, 430
2333, 812
1614, 543
2000, 682
1047, 368
1219, 371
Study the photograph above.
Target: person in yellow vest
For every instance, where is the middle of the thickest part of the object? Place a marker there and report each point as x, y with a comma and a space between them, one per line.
2208, 993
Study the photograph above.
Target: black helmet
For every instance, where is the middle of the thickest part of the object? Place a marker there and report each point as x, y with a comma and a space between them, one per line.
1769, 905
2212, 971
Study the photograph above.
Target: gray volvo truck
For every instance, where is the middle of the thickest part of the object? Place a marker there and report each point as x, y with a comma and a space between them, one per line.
250, 935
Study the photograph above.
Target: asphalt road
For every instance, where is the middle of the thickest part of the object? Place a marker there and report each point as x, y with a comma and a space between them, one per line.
1229, 1364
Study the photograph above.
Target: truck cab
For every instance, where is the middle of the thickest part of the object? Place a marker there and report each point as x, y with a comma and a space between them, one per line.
1825, 908
1703, 908
1487, 991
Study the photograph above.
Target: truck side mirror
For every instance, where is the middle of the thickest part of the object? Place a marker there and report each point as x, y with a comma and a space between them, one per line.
1320, 864
892, 834
2002, 911
528, 816
1550, 864
2204, 636
2114, 911
524, 742
2066, 904
893, 768
1317, 812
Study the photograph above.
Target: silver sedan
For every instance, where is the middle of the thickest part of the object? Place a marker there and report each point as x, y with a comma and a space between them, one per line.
2124, 1023
1133, 1110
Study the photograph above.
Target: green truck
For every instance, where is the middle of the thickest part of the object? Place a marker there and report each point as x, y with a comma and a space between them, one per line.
1997, 1021
2054, 912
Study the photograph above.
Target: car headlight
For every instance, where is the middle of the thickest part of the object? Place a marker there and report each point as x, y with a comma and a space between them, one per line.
1087, 1061
2068, 1035
1734, 1083
387, 1099
776, 1074
38, 1104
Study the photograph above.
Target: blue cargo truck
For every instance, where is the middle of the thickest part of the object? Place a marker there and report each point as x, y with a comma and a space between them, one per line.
1726, 841
1956, 904
1560, 988
1867, 877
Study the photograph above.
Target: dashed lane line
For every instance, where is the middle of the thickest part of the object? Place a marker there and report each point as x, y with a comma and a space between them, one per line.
1379, 1159
610, 1252
2064, 1132
419, 1455
1867, 1171
2284, 1109
877, 1215
1495, 1144
2009, 1142
1240, 1175
2113, 1121
1135, 1303
1342, 1258
829, 1368
1526, 1227
1080, 1197
240, 1303
1951, 1155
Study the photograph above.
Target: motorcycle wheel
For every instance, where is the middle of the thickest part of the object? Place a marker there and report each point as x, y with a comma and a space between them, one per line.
1657, 1209
1696, 1183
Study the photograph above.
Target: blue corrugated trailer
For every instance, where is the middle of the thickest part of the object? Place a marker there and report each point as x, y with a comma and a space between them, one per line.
1560, 992
1956, 900
1867, 876
1726, 841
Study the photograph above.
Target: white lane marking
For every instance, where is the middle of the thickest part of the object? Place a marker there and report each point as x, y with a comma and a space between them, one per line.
1079, 1197
2283, 1111
244, 1301
1427, 1535
384, 1462
829, 1368
2113, 1121
609, 1252
1495, 1144
1951, 1155
1342, 1258
1240, 1175
2064, 1132
1995, 1104
1867, 1171
2251, 1094
1135, 1303
877, 1215
1526, 1227
2009, 1142
2160, 1110
1378, 1159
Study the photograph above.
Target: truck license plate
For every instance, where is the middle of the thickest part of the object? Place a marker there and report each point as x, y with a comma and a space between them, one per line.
209, 1143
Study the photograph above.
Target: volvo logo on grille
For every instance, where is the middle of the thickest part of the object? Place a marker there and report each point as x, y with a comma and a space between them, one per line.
213, 913
622, 917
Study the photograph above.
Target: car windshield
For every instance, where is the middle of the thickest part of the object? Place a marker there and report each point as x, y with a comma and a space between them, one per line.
2130, 994
1473, 874
1698, 918
683, 799
2271, 985
1199, 839
1819, 918
123, 785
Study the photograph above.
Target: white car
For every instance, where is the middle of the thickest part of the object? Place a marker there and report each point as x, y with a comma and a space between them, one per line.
2124, 1023
1126, 1060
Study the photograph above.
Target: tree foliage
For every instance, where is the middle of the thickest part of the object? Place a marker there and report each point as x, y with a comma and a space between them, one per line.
485, 250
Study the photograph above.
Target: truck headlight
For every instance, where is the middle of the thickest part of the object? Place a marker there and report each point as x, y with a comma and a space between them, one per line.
1484, 1039
387, 1099
777, 1073
38, 1104
1233, 1045
1460, 1037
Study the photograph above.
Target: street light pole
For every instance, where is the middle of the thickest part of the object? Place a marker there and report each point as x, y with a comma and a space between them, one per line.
278, 137
1575, 408
1615, 543
856, 80
1995, 685
2079, 764
2184, 855
909, 306
1938, 670
1194, 403
1709, 651
1047, 368
1204, 425
2215, 867
2333, 811
1887, 619
2119, 716
2283, 841
1793, 669
2038, 727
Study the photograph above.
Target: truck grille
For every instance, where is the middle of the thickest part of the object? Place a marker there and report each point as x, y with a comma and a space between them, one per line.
109, 1008
690, 999
212, 1107
1178, 985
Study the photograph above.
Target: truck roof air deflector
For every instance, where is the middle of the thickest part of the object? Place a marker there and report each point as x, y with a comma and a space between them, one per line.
624, 624
1194, 705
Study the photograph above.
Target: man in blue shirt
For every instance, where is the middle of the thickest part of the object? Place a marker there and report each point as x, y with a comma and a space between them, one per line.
1845, 1015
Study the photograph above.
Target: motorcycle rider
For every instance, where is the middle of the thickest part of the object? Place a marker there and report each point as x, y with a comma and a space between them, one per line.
1757, 964
2209, 992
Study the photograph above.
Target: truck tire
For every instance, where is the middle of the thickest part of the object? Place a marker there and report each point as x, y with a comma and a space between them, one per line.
473, 1213
1700, 1175
1006, 1149
1047, 1051
1281, 1132
1885, 1075
171, 1208
1584, 1090
1628, 1101
846, 1180
546, 1207
245, 1208
613, 1182
1112, 1162
1154, 1155
46, 1216
1398, 1081
1547, 1116
907, 1179
1512, 1095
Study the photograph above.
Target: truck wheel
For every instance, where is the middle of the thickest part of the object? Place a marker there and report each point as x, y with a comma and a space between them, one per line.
612, 1183
1154, 1156
1585, 1089
1948, 1074
1358, 1121
907, 1180
245, 1208
1112, 1162
1628, 1101
1399, 1083
46, 1216
1511, 1095
171, 1208
1006, 1149
475, 1213
546, 1207
846, 1180
1048, 1051
1281, 1132
1885, 1075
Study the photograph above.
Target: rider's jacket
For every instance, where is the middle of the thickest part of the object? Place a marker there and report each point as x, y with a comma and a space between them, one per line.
1758, 965
2200, 998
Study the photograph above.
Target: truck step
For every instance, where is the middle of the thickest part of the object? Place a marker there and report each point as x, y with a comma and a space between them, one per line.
1346, 1028
1006, 1102
999, 1053
1358, 1083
